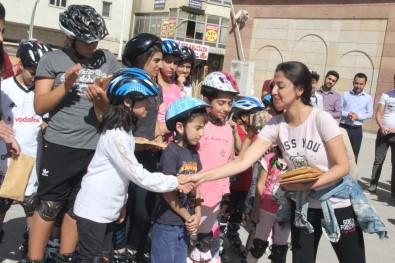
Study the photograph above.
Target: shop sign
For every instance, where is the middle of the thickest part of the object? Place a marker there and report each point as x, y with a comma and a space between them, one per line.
164, 27
201, 51
211, 34
171, 29
197, 4
159, 4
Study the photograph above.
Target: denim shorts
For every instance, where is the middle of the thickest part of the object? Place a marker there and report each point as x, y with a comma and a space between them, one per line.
169, 244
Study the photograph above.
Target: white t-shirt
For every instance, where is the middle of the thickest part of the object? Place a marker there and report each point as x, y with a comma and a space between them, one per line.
303, 145
17, 104
317, 101
388, 100
104, 187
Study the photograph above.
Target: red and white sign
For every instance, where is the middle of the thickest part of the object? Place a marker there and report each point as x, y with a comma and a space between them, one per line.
211, 34
201, 51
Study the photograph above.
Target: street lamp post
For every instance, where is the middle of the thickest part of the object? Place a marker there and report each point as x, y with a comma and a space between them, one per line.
32, 20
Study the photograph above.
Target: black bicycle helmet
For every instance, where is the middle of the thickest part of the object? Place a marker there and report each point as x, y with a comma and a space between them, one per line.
83, 23
187, 54
170, 47
30, 52
131, 83
137, 46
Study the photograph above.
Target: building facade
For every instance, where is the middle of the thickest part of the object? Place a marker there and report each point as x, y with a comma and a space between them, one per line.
201, 25
343, 35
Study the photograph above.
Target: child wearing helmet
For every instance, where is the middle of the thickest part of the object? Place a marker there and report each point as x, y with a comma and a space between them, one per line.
114, 162
244, 110
183, 71
170, 90
143, 51
215, 148
17, 96
178, 215
65, 90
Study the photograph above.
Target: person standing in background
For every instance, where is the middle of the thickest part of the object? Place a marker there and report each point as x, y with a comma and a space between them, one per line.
385, 118
332, 99
357, 107
317, 100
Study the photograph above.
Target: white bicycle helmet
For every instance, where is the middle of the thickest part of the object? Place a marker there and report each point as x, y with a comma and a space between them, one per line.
220, 82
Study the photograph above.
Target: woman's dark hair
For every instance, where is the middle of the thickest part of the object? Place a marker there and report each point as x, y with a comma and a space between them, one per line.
185, 119
300, 76
188, 80
118, 116
143, 58
2, 12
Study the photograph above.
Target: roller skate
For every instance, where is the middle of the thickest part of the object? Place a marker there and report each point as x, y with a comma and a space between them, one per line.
234, 238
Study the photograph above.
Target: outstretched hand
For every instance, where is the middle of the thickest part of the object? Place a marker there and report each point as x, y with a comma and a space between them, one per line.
196, 179
184, 187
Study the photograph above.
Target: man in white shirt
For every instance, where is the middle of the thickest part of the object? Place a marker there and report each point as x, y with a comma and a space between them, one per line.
385, 118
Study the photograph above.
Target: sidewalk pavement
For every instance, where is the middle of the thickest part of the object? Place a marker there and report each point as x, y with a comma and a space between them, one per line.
377, 251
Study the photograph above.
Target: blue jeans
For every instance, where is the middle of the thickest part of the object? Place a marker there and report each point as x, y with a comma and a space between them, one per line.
169, 244
382, 145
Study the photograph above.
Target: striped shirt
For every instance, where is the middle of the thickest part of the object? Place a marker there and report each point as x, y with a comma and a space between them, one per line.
332, 102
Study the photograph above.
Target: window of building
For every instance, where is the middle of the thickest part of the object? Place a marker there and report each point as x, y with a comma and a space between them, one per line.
106, 9
61, 3
150, 23
224, 2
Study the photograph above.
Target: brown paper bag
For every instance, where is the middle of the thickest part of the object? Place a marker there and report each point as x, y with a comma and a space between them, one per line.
17, 177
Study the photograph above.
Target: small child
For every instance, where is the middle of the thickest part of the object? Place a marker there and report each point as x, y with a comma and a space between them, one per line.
215, 148
171, 91
244, 110
17, 107
100, 202
178, 215
267, 202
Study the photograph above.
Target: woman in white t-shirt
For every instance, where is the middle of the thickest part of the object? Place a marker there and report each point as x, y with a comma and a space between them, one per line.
296, 133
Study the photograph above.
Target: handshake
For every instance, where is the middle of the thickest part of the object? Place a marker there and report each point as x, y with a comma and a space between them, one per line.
187, 182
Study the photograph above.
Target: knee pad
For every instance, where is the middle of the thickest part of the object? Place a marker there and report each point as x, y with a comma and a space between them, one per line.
225, 200
203, 243
49, 210
258, 247
29, 204
5, 204
279, 253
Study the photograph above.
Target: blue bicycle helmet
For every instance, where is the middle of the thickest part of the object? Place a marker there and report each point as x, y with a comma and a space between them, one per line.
131, 83
248, 103
181, 109
267, 100
170, 47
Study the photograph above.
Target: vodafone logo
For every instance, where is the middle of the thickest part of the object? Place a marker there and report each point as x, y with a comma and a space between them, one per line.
28, 119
